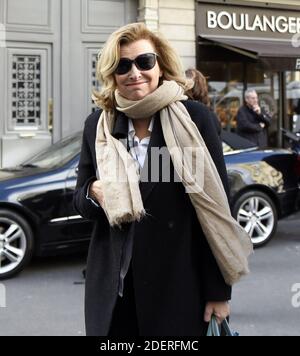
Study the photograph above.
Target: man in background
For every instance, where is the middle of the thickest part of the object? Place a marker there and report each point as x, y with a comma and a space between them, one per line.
253, 121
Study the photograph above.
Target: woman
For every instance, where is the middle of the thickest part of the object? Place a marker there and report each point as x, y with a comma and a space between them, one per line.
199, 92
150, 269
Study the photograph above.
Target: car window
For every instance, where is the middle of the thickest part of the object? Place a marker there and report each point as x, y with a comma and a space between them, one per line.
57, 155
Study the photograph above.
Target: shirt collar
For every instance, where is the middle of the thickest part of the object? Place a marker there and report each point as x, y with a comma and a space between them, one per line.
124, 126
131, 129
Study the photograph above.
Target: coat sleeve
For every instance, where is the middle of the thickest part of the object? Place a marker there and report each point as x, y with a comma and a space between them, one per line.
266, 118
244, 125
215, 288
86, 175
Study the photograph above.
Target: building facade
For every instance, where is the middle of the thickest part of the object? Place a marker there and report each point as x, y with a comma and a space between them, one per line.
251, 44
48, 53
239, 45
47, 68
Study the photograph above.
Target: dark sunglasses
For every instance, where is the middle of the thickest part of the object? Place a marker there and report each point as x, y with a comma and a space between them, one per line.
143, 62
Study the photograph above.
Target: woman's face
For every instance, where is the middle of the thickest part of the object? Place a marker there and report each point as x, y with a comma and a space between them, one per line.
137, 84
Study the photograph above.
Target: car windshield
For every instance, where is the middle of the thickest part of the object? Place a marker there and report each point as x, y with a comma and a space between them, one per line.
233, 142
57, 155
227, 148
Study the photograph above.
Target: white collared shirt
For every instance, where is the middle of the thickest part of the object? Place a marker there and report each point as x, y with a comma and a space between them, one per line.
138, 148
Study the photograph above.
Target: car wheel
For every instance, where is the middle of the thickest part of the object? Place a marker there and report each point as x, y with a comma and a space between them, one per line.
257, 214
16, 243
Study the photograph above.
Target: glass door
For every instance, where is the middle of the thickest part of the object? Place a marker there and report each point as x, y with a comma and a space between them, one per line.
293, 100
227, 85
267, 86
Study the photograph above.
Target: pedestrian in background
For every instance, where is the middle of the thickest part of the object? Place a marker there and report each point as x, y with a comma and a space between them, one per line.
199, 92
151, 270
253, 121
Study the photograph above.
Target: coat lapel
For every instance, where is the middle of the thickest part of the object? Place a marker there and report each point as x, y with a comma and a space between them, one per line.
120, 130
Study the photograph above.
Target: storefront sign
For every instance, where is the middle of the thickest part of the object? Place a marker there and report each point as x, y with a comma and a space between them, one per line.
245, 22
239, 21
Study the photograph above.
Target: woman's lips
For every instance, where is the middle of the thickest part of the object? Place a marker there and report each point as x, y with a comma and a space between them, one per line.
134, 84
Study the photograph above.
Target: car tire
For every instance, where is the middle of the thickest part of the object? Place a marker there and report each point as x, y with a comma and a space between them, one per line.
16, 243
257, 214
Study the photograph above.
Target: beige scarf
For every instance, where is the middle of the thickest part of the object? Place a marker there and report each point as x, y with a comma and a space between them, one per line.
228, 241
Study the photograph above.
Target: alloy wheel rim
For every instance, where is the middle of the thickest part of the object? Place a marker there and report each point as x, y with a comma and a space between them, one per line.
256, 216
13, 245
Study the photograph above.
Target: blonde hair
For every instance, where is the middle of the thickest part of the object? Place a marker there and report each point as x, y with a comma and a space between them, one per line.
108, 60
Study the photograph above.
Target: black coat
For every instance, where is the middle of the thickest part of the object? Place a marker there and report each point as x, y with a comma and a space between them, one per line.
248, 126
174, 271
217, 122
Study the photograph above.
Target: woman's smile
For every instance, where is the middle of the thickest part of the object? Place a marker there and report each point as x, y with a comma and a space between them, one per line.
135, 84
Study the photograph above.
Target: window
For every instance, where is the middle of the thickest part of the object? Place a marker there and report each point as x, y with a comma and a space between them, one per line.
26, 91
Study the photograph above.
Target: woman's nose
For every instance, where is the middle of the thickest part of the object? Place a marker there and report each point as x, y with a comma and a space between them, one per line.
134, 72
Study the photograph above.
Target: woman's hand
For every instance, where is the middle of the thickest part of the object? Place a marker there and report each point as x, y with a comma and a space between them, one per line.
96, 193
221, 310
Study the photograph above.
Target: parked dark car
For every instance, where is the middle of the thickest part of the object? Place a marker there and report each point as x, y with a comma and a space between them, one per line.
37, 216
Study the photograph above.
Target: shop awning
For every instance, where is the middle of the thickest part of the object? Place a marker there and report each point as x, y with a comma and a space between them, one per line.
279, 54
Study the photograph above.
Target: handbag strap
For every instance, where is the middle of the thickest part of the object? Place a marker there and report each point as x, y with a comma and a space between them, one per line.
213, 327
226, 328
215, 330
